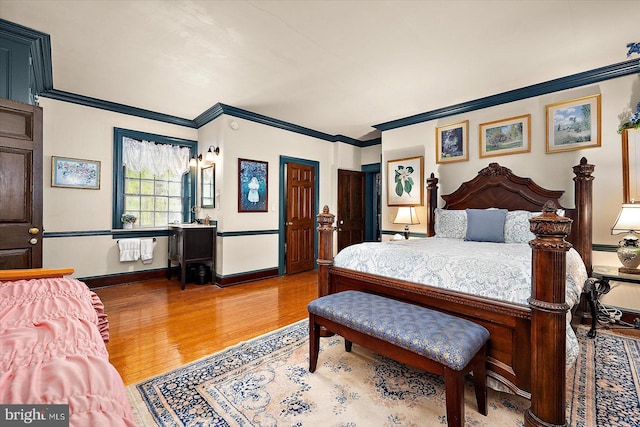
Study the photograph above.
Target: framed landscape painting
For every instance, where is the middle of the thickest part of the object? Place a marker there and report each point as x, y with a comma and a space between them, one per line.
573, 125
452, 144
253, 194
75, 173
508, 136
404, 181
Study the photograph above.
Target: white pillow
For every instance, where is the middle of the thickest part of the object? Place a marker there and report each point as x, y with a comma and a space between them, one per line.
450, 223
517, 228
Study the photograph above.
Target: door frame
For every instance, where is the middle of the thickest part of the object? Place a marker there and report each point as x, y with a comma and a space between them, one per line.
282, 232
370, 202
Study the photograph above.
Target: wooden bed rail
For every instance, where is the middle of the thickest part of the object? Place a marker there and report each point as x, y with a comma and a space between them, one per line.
33, 273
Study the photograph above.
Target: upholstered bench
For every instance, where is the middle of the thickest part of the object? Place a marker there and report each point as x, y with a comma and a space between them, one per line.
430, 340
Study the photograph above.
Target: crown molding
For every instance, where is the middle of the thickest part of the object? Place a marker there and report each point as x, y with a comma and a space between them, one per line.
209, 115
277, 123
613, 71
370, 142
115, 107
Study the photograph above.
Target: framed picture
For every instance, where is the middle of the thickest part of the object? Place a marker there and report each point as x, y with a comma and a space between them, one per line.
75, 173
253, 194
631, 165
508, 136
452, 143
404, 181
573, 125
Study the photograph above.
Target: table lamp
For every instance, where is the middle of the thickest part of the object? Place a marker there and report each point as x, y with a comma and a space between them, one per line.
407, 216
628, 250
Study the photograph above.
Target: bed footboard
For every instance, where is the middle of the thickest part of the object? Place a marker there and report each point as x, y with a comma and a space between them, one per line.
33, 273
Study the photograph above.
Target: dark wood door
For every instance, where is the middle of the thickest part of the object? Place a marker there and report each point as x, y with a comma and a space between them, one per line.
300, 235
351, 208
20, 185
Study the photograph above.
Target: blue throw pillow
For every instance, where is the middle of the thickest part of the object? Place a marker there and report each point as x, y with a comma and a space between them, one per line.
486, 225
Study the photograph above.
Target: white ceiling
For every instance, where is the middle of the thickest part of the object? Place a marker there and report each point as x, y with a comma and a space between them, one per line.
338, 67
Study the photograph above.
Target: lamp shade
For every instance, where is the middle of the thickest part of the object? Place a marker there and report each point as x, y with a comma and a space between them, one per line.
628, 219
406, 215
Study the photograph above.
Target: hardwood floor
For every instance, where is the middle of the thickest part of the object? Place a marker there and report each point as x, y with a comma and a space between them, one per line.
156, 327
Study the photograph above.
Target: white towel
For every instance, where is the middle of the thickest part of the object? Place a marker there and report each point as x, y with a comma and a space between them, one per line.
129, 249
146, 250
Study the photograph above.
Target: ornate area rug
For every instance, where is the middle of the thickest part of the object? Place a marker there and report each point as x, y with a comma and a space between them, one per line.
266, 382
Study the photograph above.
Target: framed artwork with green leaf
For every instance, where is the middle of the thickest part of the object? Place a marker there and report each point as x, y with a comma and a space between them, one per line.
404, 181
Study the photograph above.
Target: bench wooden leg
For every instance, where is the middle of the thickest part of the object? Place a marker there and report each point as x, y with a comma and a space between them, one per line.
480, 379
347, 345
314, 343
454, 394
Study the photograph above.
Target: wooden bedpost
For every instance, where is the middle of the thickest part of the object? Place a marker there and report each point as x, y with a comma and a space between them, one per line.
325, 249
584, 200
432, 204
548, 319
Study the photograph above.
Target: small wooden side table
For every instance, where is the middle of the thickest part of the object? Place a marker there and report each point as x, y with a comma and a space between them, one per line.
599, 285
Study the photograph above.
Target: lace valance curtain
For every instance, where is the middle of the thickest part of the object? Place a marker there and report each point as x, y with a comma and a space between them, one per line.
156, 158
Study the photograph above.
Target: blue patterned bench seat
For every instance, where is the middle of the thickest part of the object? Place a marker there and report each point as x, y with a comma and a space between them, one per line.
430, 340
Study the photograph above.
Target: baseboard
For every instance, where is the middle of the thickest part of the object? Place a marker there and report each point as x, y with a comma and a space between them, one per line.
629, 316
161, 273
123, 278
246, 277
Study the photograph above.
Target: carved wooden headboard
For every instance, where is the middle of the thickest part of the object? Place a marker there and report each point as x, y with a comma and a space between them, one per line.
498, 187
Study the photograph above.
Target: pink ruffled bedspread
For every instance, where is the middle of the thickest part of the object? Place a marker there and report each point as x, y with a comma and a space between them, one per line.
52, 351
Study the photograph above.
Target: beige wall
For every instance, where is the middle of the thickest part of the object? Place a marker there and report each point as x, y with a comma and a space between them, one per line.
250, 140
548, 170
71, 130
75, 131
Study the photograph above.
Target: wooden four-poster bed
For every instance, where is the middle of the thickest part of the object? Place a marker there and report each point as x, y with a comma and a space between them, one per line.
527, 347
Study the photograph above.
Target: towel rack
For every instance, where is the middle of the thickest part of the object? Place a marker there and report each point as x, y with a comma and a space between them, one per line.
118, 241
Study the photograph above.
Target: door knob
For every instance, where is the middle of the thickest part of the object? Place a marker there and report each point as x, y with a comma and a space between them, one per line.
34, 230
289, 223
33, 241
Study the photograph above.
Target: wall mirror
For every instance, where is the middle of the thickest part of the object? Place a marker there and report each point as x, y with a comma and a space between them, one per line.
631, 165
208, 186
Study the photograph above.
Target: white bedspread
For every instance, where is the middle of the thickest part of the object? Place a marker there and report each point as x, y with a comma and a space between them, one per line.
495, 270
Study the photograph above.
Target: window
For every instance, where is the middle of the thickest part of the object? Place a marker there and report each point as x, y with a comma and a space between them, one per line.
155, 199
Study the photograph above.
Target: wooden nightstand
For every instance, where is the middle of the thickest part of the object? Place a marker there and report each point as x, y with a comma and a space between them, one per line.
598, 285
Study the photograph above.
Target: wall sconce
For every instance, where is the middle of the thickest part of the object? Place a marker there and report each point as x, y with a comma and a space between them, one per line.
628, 221
407, 216
193, 162
210, 152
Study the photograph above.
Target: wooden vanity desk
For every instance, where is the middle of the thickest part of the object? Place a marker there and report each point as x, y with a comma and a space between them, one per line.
192, 243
